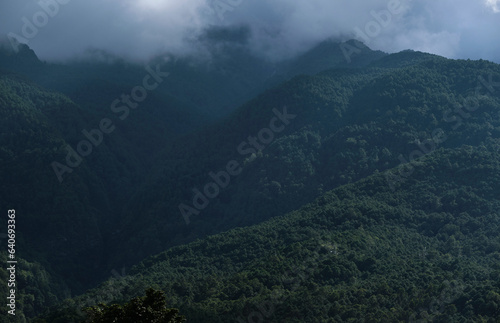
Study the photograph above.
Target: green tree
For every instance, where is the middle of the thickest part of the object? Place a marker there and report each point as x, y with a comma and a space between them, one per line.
148, 309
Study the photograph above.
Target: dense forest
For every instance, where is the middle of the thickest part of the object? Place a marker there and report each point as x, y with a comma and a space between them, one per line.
333, 191
429, 250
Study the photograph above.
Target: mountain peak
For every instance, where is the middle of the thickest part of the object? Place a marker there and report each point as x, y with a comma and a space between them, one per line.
16, 55
330, 53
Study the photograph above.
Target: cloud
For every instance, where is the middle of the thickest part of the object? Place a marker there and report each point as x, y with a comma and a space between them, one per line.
276, 29
494, 5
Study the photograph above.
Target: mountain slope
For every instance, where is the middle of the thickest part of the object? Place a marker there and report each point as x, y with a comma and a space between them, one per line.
36, 289
139, 192
210, 84
73, 212
62, 223
428, 250
349, 124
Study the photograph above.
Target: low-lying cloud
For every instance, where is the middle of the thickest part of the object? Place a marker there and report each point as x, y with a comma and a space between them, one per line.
140, 29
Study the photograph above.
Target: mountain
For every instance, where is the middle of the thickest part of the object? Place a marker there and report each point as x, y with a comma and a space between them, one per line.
18, 57
104, 182
347, 124
210, 83
427, 250
51, 113
331, 54
41, 132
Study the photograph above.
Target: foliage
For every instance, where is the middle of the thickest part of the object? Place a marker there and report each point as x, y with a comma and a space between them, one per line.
148, 309
36, 289
329, 228
428, 250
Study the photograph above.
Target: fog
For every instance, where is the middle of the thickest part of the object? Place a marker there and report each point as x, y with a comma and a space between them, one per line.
141, 29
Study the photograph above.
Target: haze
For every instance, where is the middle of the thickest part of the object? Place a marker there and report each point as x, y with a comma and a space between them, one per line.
140, 29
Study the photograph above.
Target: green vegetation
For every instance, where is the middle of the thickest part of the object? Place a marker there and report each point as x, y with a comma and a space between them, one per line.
323, 223
349, 125
148, 309
36, 290
430, 249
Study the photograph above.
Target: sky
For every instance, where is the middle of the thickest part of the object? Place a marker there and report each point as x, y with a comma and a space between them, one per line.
141, 29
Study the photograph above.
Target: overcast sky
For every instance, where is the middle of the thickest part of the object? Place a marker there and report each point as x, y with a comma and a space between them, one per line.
138, 29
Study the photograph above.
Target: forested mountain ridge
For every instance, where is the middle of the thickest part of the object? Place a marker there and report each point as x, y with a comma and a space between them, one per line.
427, 251
348, 125
125, 201
200, 88
68, 217
65, 218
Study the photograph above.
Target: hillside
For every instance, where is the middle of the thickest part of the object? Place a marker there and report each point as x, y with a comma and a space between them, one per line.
363, 252
200, 88
143, 189
349, 124
71, 213
62, 223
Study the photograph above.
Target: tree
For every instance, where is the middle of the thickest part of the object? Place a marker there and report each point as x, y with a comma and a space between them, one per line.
147, 309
